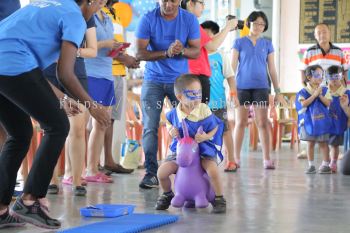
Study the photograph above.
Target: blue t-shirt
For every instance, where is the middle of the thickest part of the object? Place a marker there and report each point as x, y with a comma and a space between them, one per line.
161, 33
338, 116
32, 36
7, 7
217, 89
252, 67
79, 67
101, 65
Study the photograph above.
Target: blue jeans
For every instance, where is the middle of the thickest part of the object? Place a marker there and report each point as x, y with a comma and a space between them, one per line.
152, 99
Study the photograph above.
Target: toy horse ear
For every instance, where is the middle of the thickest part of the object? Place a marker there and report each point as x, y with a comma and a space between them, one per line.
185, 128
200, 130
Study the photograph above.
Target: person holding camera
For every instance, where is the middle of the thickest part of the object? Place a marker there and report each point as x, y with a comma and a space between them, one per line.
200, 66
251, 55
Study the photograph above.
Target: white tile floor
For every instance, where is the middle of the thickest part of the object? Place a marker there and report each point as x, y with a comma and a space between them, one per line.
284, 200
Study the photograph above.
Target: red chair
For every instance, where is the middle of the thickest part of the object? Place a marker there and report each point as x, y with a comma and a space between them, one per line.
36, 139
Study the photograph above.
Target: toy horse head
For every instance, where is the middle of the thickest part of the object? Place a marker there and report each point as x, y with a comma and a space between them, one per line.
187, 149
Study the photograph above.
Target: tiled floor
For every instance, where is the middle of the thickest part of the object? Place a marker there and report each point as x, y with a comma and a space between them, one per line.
284, 200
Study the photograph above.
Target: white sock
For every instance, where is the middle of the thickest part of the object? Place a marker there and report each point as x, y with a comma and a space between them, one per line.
311, 163
325, 163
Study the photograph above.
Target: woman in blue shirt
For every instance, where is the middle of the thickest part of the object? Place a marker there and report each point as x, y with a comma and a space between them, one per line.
75, 149
254, 55
31, 39
7, 7
101, 89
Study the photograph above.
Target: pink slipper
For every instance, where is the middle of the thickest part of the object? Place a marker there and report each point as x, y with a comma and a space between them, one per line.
69, 181
99, 178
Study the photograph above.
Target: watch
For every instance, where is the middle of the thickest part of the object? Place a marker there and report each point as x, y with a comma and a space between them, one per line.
78, 52
166, 54
182, 53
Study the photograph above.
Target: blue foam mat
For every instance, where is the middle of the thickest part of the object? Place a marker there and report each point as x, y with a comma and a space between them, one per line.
126, 224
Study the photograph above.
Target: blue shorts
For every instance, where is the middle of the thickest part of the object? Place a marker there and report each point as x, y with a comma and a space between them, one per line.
101, 90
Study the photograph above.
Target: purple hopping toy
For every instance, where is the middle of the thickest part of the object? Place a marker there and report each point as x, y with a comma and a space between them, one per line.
192, 186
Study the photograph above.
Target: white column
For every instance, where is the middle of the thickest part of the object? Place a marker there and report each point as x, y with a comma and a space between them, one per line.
276, 20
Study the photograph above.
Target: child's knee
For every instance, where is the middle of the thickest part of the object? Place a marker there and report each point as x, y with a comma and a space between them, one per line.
211, 168
165, 170
161, 174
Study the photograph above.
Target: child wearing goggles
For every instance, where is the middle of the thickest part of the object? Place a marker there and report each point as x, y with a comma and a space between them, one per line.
313, 117
339, 112
188, 91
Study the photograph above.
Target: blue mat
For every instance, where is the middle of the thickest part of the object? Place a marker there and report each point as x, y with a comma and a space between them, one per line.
126, 224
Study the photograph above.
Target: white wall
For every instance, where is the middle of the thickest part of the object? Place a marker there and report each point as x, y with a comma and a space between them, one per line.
289, 46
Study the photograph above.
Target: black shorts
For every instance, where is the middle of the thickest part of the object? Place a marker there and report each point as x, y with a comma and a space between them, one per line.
50, 75
205, 82
222, 115
256, 97
336, 140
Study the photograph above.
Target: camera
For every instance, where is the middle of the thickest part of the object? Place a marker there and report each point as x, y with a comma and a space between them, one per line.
240, 24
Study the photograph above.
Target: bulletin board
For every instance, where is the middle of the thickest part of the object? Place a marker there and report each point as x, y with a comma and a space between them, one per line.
335, 13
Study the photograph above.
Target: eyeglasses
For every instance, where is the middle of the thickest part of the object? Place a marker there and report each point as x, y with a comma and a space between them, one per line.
316, 74
201, 2
259, 24
338, 76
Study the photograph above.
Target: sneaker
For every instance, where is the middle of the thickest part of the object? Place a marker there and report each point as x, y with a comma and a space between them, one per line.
52, 189
79, 191
149, 181
311, 170
7, 220
333, 167
269, 164
231, 167
324, 169
164, 201
219, 205
35, 214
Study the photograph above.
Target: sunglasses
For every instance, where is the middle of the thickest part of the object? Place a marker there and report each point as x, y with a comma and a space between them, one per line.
316, 74
193, 94
338, 76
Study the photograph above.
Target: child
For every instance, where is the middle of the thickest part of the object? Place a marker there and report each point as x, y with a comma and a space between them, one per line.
313, 117
188, 91
221, 69
339, 112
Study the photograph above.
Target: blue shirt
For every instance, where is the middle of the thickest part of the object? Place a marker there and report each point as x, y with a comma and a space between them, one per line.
79, 67
7, 7
32, 36
210, 148
252, 67
220, 70
337, 114
101, 65
161, 33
